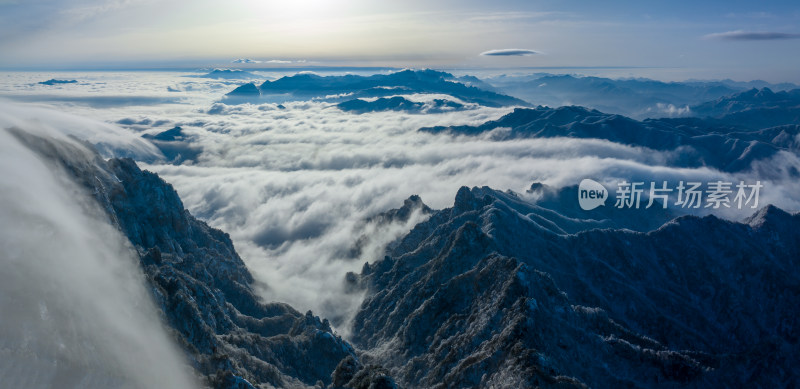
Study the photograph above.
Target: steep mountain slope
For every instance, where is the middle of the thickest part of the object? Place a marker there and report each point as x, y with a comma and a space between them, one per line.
201, 285
696, 142
306, 86
482, 295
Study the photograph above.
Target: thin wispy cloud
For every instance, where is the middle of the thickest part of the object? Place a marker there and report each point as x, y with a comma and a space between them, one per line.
511, 16
271, 61
751, 15
740, 35
509, 53
89, 11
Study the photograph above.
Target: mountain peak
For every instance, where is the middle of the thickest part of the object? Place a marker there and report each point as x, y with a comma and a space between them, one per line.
249, 89
768, 215
765, 92
465, 201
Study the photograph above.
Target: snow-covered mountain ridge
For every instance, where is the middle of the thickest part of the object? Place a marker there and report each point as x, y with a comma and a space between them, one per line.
483, 295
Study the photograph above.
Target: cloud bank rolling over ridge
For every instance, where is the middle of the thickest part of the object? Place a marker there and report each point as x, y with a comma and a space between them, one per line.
75, 308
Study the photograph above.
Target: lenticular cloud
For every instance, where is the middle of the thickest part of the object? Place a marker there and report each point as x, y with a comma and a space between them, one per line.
509, 52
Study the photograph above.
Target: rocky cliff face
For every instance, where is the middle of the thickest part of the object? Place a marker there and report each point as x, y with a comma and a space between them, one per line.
202, 286
483, 295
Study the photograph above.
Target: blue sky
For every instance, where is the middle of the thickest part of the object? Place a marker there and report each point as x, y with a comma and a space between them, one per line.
739, 39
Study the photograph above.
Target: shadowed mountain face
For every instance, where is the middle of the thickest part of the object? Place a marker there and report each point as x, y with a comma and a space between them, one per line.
338, 88
201, 285
754, 109
482, 294
701, 143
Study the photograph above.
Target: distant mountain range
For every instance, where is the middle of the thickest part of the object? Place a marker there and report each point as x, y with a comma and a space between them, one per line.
696, 142
638, 98
304, 86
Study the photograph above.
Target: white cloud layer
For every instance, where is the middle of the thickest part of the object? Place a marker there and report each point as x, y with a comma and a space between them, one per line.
109, 139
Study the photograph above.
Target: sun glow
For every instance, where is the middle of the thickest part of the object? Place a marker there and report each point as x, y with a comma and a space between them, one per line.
298, 9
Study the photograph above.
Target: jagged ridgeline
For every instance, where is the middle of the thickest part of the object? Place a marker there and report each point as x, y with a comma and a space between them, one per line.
488, 293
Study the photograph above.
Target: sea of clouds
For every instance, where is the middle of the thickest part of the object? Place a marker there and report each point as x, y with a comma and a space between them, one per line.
294, 183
